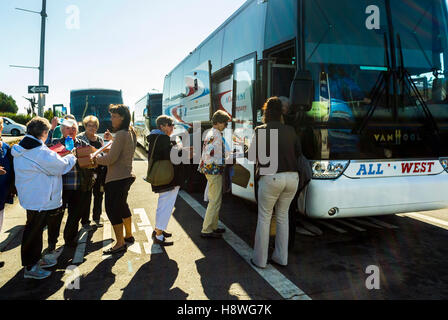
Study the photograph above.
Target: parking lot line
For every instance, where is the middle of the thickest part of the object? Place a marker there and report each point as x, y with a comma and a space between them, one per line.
275, 278
81, 248
427, 219
107, 236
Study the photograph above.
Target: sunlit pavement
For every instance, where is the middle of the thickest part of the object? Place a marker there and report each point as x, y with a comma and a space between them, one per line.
329, 260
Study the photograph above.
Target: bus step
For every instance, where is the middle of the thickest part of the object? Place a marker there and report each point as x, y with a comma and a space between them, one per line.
310, 227
304, 232
330, 226
382, 223
350, 225
365, 223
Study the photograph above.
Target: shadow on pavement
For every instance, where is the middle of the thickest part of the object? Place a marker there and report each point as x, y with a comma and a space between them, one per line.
153, 281
96, 283
14, 239
222, 268
18, 288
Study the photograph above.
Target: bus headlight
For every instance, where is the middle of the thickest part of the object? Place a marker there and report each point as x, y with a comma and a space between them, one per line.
328, 169
444, 163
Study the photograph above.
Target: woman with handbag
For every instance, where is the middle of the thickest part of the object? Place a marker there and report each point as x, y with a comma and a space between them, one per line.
277, 186
119, 177
169, 179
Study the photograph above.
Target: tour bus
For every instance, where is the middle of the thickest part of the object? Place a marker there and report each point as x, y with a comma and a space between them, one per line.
368, 91
94, 102
146, 112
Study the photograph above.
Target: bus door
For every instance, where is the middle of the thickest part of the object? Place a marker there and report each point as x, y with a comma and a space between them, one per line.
280, 79
244, 75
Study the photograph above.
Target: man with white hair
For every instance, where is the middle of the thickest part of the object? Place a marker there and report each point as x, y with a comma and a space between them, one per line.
75, 193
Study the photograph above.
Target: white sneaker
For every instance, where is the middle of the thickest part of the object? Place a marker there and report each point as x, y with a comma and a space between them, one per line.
45, 262
37, 273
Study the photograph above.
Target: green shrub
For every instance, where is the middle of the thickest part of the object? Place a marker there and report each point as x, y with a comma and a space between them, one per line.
19, 118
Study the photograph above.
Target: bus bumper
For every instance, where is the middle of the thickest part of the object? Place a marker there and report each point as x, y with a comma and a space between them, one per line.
373, 197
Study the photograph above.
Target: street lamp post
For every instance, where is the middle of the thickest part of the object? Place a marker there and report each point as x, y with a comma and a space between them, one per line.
41, 68
41, 100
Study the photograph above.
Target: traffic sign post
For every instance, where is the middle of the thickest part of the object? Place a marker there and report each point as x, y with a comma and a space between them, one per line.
38, 89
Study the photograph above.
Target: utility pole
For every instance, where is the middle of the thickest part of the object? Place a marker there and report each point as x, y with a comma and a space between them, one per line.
41, 68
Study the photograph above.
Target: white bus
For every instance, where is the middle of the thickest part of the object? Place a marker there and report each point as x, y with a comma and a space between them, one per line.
376, 126
146, 112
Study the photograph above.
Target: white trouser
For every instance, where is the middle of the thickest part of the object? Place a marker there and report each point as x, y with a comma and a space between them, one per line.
274, 191
165, 208
1, 219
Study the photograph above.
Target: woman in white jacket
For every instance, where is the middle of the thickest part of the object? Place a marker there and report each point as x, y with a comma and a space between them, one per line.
38, 181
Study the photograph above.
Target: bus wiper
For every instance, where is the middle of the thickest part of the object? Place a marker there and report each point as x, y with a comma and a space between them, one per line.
381, 86
406, 78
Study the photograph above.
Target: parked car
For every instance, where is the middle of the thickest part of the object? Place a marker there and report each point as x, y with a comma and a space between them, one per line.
13, 128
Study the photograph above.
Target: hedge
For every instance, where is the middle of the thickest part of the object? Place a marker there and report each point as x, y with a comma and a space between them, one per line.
19, 118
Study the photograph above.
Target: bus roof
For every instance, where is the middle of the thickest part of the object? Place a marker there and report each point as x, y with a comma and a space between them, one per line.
146, 96
95, 89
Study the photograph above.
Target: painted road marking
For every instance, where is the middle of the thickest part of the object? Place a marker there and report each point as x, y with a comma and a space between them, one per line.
145, 226
107, 236
135, 247
143, 217
382, 223
426, 219
331, 226
348, 224
140, 155
81, 247
276, 279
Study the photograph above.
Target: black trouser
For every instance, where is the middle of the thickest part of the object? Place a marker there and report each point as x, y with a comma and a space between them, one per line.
54, 219
76, 203
117, 207
97, 204
31, 249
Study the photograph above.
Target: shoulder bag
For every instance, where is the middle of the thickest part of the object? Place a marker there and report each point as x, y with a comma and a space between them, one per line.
160, 172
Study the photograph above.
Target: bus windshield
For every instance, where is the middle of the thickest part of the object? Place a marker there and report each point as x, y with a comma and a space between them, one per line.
348, 50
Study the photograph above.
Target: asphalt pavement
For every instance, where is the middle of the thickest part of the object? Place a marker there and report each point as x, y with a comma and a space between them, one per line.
391, 257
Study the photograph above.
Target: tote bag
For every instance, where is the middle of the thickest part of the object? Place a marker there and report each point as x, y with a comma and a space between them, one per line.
160, 172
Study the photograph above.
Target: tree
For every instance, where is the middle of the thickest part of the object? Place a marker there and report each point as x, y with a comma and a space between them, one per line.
7, 104
49, 115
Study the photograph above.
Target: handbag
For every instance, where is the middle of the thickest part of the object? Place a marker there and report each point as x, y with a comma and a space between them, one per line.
160, 172
305, 172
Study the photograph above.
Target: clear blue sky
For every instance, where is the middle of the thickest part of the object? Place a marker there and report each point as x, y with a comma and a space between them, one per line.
121, 44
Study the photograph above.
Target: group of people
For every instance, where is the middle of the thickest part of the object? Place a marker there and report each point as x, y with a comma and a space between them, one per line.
275, 191
47, 183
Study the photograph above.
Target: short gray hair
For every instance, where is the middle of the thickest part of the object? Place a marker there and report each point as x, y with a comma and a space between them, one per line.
37, 126
164, 120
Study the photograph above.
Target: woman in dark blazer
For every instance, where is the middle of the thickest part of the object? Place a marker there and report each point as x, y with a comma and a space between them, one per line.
160, 140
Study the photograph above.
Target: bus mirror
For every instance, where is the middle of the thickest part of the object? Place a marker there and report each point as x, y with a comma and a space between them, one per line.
302, 92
